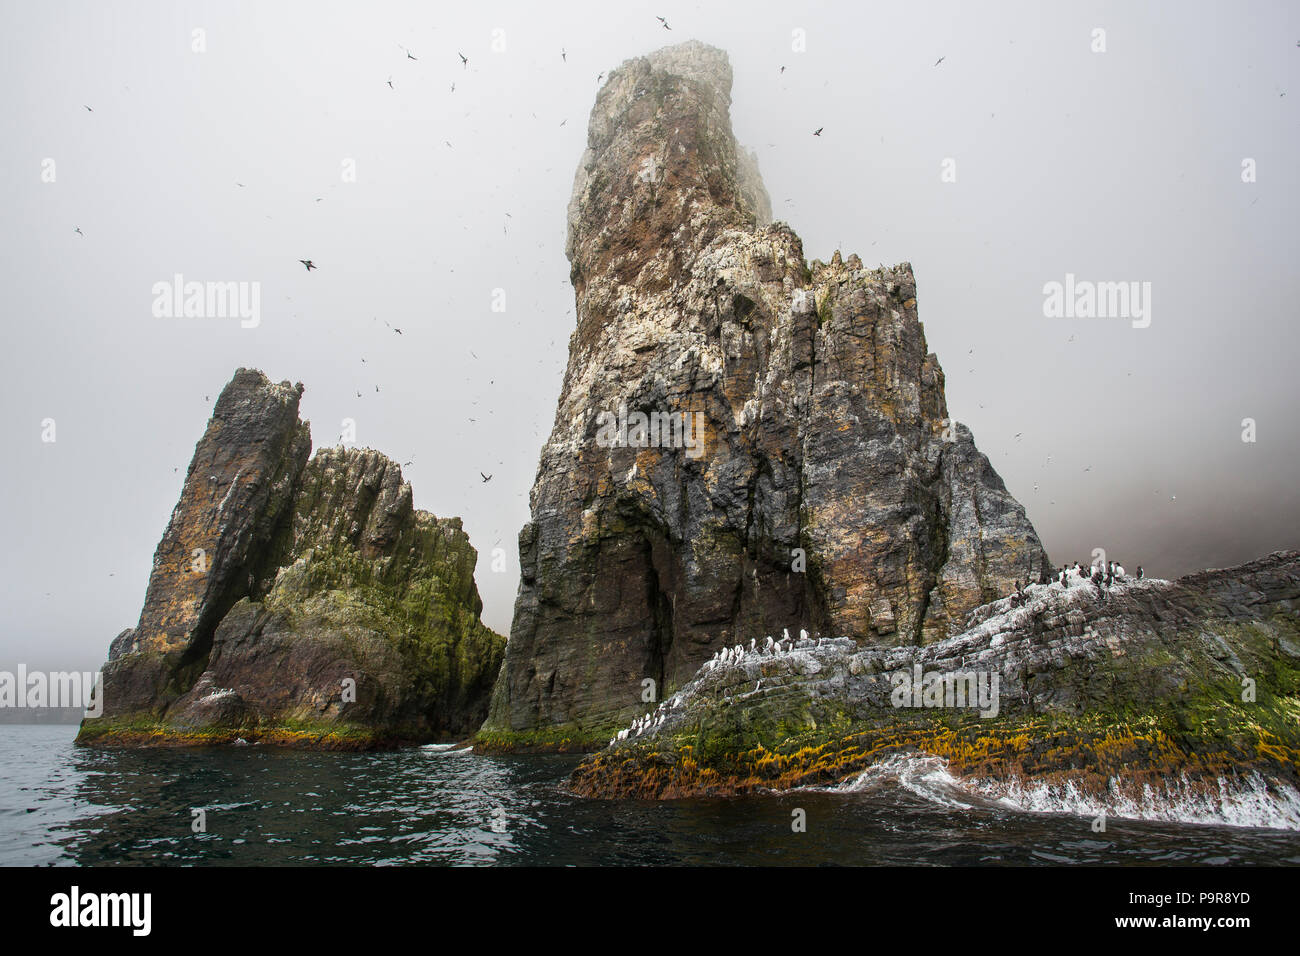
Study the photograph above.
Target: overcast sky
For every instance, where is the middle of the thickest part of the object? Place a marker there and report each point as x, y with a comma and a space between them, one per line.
1123, 165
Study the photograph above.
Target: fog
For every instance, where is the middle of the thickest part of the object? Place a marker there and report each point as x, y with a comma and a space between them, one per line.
1117, 166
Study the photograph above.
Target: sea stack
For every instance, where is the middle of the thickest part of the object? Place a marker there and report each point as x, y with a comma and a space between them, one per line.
299, 602
744, 441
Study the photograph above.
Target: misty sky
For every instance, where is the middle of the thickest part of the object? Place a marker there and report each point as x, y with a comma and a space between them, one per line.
1117, 166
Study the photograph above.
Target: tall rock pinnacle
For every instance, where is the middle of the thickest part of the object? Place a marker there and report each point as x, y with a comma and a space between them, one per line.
742, 444
296, 601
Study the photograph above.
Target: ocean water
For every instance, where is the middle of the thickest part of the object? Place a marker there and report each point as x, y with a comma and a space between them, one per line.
63, 805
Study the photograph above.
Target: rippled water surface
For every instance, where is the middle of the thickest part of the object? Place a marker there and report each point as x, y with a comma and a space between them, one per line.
65, 805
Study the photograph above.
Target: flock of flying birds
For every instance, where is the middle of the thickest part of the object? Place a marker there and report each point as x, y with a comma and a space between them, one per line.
310, 265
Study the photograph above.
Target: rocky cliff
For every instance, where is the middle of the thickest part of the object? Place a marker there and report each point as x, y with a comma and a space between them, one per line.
1125, 696
298, 601
742, 442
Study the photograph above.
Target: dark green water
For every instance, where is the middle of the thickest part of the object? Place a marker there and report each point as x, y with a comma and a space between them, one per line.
64, 805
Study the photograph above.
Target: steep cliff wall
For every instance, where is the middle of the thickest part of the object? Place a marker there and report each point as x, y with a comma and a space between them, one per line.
813, 477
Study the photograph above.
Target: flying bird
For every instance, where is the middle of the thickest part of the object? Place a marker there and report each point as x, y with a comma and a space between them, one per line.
308, 264
782, 69
80, 233
390, 83
664, 22
819, 130
564, 56
464, 60
486, 478
88, 109
940, 60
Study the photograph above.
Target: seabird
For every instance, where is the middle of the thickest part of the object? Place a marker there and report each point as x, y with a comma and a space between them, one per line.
819, 130
664, 22
308, 264
940, 60
464, 60
486, 478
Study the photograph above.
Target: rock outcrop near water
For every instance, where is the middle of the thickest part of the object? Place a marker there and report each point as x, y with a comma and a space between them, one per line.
1116, 696
297, 601
797, 464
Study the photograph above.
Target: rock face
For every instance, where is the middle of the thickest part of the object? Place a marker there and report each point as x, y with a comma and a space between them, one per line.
1190, 686
296, 601
798, 466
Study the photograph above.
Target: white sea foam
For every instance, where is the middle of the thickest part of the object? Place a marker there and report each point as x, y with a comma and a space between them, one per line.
920, 774
1248, 801
1251, 801
446, 748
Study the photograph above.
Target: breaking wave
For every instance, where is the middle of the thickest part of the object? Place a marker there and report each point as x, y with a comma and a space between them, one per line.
924, 776
1251, 801
447, 749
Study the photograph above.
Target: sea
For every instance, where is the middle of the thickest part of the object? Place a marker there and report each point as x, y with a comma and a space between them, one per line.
62, 805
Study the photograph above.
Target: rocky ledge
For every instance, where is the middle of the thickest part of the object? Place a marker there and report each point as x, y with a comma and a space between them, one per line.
299, 602
1190, 686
